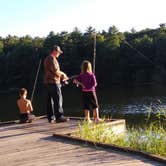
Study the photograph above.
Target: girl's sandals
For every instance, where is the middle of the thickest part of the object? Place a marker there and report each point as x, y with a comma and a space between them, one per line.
98, 120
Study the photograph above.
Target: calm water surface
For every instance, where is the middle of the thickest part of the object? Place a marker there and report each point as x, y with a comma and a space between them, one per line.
116, 102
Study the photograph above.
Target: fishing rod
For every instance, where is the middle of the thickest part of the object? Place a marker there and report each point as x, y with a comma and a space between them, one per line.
94, 53
66, 82
36, 77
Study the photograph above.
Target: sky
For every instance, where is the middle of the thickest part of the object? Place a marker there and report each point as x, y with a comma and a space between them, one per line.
39, 17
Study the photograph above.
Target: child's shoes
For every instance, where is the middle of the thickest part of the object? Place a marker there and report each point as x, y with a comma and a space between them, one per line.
89, 121
98, 120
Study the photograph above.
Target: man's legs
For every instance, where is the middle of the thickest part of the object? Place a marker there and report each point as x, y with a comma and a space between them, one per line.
55, 94
58, 101
49, 104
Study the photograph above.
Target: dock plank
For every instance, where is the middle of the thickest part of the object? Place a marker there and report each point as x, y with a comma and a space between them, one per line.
32, 144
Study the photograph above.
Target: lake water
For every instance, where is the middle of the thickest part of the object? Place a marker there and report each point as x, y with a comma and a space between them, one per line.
117, 102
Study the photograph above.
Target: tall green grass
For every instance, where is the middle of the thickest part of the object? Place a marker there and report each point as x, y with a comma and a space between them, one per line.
151, 138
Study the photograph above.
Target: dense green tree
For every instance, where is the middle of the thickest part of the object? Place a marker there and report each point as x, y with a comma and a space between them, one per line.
1, 47
122, 58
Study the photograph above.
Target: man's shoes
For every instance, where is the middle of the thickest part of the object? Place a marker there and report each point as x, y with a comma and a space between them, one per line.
21, 121
52, 121
62, 119
29, 121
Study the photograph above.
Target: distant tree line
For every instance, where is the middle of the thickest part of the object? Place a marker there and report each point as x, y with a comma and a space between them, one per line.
128, 58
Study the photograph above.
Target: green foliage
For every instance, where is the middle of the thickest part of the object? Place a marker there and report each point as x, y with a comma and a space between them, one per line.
1, 47
150, 139
122, 63
97, 133
157, 117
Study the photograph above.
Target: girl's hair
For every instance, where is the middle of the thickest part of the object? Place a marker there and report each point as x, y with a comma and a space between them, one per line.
22, 91
86, 67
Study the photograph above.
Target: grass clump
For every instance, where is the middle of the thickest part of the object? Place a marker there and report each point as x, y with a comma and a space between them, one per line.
151, 139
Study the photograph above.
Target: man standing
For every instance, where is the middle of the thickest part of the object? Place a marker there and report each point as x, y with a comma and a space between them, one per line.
52, 80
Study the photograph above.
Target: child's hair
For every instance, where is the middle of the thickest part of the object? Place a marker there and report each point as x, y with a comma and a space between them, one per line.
86, 67
22, 91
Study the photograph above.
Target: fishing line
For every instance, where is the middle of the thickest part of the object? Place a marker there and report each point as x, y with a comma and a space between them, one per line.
140, 53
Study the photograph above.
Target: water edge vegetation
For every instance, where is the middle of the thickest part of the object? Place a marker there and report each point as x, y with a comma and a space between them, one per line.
151, 138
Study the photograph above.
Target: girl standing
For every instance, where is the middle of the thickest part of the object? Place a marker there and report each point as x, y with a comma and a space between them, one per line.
88, 82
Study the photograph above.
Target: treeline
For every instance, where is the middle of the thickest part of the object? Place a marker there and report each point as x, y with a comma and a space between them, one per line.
128, 58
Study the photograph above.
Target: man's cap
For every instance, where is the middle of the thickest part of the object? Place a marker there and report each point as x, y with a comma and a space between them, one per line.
56, 48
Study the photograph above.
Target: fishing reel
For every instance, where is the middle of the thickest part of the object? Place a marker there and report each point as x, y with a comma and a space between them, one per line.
64, 83
68, 81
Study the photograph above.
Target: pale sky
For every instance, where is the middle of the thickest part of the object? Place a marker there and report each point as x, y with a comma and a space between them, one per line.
39, 17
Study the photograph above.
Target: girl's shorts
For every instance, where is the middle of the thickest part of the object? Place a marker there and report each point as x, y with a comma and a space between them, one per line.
89, 100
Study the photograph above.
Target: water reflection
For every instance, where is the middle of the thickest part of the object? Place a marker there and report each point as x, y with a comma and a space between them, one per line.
118, 102
137, 106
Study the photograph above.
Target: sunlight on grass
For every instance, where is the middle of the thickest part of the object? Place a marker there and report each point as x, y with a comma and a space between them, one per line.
151, 139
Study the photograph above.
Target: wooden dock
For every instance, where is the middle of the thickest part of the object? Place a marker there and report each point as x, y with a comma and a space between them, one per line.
33, 144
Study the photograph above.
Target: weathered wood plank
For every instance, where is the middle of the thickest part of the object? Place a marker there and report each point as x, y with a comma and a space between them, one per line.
33, 144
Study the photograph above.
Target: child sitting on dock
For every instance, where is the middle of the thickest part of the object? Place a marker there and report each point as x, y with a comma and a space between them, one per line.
25, 107
88, 82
